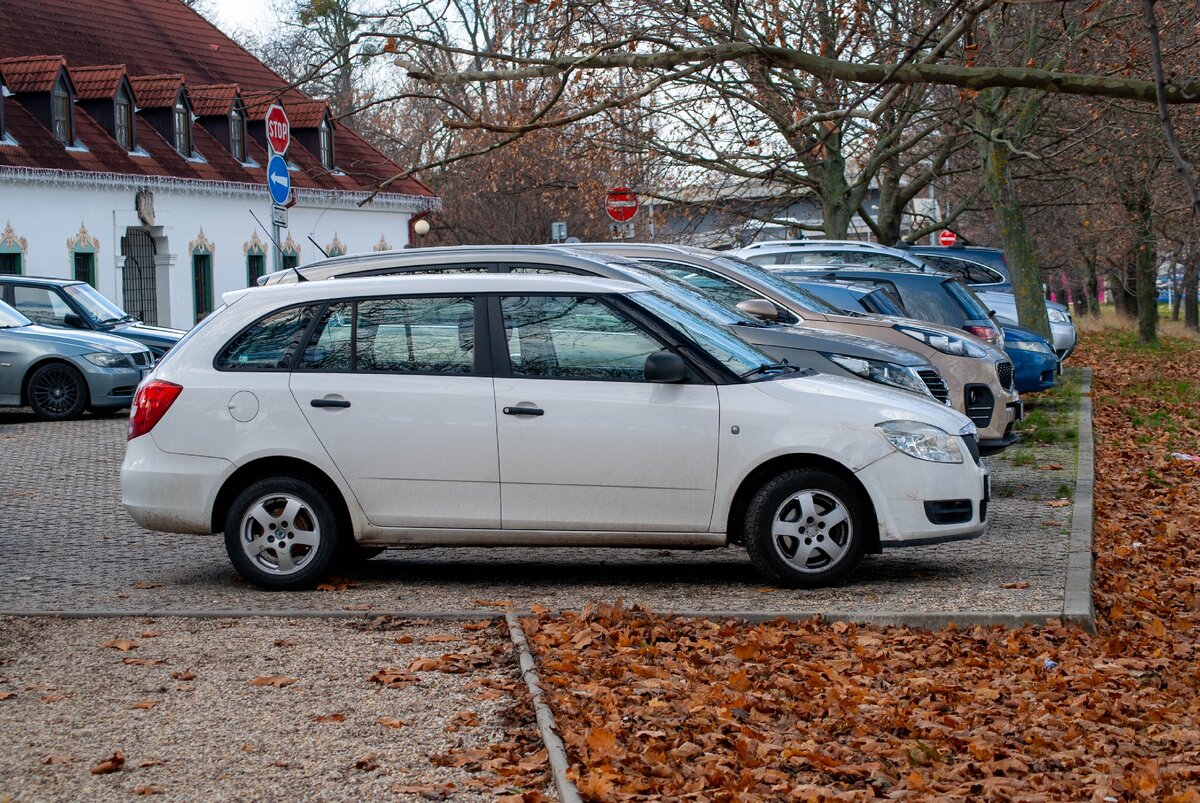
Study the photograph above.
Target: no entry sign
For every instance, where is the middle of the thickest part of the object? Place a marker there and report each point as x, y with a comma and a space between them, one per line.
621, 204
947, 238
279, 130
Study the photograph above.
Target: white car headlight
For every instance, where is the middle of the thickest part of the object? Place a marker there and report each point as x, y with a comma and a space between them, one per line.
947, 344
109, 360
922, 441
886, 373
1057, 316
1030, 345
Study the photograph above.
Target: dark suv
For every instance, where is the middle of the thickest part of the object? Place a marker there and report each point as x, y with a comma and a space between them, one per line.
982, 268
72, 304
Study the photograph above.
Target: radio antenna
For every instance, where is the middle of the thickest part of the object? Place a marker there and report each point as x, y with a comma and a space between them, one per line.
299, 276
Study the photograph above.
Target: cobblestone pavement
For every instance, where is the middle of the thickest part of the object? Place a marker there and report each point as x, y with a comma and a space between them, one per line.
69, 546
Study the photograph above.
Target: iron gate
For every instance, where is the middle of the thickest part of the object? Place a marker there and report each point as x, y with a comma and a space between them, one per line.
139, 290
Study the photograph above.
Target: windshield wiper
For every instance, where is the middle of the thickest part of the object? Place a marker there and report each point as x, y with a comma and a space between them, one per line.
766, 368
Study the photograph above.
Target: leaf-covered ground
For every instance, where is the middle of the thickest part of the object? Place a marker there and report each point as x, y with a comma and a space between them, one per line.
653, 707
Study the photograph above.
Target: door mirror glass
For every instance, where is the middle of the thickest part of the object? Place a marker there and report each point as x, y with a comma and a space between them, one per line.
666, 366
760, 308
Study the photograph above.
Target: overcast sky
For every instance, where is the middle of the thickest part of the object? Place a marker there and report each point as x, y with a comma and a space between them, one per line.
232, 16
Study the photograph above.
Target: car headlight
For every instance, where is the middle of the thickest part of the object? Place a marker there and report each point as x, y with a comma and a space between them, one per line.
1057, 316
922, 441
109, 360
886, 373
947, 344
1030, 345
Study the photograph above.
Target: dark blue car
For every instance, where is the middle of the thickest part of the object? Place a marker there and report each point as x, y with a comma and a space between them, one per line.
1035, 365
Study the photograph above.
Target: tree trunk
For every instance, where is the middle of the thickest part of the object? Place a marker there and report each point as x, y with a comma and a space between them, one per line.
1014, 238
1146, 270
1191, 283
1078, 294
1093, 287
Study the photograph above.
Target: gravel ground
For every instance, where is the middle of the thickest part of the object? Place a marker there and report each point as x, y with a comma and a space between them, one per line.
67, 703
78, 551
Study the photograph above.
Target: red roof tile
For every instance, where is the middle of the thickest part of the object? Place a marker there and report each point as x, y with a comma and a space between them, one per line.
92, 83
212, 100
32, 73
157, 37
156, 91
305, 113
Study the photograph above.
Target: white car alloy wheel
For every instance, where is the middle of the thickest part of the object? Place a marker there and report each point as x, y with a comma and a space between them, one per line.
811, 530
806, 527
280, 533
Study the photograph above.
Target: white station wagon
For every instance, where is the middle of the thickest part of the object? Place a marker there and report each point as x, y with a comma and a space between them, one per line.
328, 420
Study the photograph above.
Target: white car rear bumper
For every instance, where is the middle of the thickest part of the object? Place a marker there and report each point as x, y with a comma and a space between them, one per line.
170, 492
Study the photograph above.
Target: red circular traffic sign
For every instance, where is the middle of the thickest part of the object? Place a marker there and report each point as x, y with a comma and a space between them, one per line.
279, 130
621, 204
947, 238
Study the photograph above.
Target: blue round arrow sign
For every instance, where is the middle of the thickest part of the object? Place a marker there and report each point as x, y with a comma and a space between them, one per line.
279, 181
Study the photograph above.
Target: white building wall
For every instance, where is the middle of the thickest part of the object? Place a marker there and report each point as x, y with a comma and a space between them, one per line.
48, 214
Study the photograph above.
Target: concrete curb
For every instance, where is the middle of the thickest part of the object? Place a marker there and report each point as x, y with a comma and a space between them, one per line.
1078, 604
559, 762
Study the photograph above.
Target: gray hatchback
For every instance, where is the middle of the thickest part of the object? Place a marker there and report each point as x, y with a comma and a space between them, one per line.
60, 373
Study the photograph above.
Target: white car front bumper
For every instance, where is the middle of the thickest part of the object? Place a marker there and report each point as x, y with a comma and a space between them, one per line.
911, 496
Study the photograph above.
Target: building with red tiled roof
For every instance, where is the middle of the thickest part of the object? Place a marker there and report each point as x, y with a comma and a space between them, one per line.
132, 132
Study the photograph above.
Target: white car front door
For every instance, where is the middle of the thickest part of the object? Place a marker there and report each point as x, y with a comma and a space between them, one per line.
585, 442
389, 385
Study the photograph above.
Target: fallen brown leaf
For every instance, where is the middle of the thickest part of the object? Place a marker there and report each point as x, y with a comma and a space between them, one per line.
54, 697
124, 645
367, 762
1051, 467
148, 790
389, 722
338, 717
144, 705
494, 603
1019, 584
144, 585
7, 695
151, 634
111, 764
278, 681
143, 661
481, 625
186, 674
57, 759
393, 678
404, 640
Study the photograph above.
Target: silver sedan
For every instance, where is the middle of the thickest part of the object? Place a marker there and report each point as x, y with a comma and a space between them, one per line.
60, 373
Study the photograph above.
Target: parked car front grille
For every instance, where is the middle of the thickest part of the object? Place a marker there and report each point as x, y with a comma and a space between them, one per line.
1004, 372
142, 359
937, 386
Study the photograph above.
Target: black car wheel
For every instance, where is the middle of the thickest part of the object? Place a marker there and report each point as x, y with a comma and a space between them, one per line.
281, 534
56, 392
806, 528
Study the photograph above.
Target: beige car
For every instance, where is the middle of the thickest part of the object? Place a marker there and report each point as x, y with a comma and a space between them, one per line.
979, 376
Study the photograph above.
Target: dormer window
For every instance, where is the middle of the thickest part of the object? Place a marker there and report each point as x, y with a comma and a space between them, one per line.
60, 107
326, 134
237, 135
123, 123
183, 128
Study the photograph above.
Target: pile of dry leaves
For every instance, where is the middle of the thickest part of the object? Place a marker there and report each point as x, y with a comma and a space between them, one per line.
656, 707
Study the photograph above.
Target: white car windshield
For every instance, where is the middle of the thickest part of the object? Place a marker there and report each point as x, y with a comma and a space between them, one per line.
734, 354
10, 318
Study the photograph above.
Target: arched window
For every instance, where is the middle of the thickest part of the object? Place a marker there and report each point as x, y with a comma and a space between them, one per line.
12, 251
290, 252
237, 135
326, 144
83, 247
61, 108
183, 128
124, 119
256, 259
202, 275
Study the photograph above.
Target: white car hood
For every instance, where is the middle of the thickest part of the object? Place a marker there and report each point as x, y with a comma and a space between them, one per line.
890, 405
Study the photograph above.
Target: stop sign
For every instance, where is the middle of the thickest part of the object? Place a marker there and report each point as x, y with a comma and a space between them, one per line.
621, 203
279, 130
947, 238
